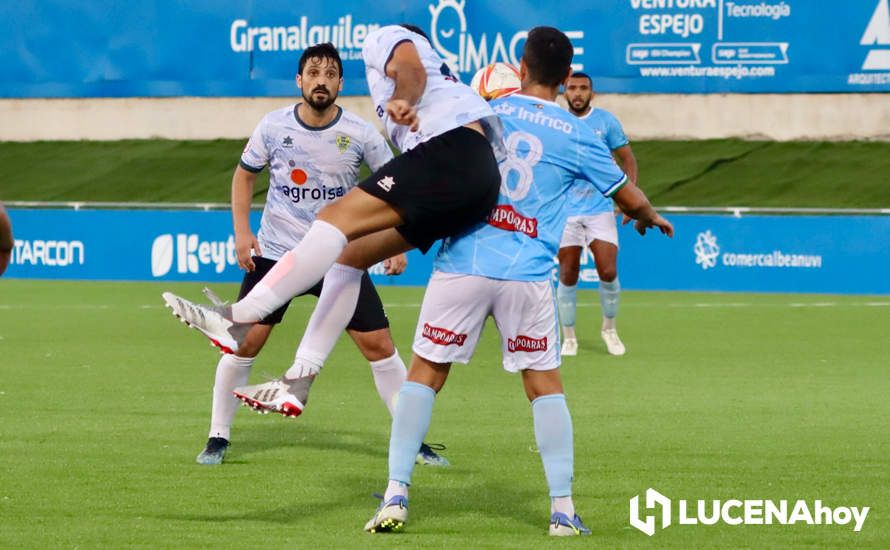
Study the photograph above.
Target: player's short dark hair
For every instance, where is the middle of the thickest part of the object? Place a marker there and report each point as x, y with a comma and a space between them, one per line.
415, 29
579, 74
548, 55
325, 50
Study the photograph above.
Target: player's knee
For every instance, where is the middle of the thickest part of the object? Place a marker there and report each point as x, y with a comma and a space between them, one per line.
568, 276
376, 345
608, 274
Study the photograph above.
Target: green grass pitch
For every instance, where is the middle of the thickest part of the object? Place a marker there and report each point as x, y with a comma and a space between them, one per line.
105, 398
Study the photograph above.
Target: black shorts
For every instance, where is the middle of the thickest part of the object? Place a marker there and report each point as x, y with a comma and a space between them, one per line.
442, 187
368, 316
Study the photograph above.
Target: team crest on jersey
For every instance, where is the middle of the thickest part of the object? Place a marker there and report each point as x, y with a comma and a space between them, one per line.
342, 143
287, 142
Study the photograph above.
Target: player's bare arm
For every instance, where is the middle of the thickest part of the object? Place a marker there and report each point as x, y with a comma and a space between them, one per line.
407, 71
624, 155
7, 243
634, 203
245, 240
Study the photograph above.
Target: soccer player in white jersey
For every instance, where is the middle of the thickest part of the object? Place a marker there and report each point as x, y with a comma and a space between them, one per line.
592, 224
502, 269
445, 182
314, 150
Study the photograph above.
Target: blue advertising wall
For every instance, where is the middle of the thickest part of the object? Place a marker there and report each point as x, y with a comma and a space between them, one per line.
825, 254
63, 48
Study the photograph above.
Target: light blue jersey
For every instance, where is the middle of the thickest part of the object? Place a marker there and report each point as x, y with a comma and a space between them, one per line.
547, 150
584, 200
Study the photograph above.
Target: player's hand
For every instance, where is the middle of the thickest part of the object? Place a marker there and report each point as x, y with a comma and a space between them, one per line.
402, 112
244, 243
658, 221
625, 219
395, 265
5, 256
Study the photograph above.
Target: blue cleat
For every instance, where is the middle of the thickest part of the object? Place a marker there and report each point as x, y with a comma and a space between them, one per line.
390, 516
428, 456
562, 526
214, 452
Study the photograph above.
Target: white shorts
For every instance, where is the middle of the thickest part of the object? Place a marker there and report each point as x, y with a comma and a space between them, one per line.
454, 310
583, 230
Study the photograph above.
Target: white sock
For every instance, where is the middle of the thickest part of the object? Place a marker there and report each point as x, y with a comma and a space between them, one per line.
564, 505
335, 307
395, 488
389, 374
293, 274
568, 333
231, 371
608, 323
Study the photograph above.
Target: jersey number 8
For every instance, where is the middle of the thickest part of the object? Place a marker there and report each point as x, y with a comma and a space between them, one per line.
522, 165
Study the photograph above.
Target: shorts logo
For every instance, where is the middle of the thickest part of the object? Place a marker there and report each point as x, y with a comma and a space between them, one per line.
342, 143
526, 343
507, 218
386, 183
442, 336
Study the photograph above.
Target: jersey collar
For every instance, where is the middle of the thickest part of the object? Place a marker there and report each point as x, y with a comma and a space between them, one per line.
317, 128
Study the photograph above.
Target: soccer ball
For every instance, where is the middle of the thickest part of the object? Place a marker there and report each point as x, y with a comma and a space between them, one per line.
495, 80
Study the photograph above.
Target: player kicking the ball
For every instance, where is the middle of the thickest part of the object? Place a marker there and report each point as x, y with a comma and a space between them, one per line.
444, 183
314, 150
502, 269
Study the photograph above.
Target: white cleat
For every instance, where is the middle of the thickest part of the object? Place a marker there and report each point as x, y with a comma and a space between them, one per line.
272, 396
570, 347
390, 516
222, 332
613, 342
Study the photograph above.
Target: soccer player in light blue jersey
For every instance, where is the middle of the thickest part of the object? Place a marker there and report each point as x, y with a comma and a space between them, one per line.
502, 269
592, 224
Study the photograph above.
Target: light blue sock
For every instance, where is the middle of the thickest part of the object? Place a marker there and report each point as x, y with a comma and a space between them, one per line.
565, 299
414, 409
553, 434
609, 293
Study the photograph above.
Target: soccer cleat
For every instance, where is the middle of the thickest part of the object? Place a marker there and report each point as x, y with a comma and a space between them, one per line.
214, 452
428, 456
222, 332
613, 342
390, 516
272, 396
214, 299
570, 347
562, 526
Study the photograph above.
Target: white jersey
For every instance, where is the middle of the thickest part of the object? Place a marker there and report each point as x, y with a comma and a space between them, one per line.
446, 102
308, 169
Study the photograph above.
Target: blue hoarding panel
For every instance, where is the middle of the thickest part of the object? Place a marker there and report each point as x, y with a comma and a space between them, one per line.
826, 254
244, 48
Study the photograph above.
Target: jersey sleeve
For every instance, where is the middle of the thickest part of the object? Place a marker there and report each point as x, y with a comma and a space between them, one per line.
256, 154
376, 152
615, 136
597, 166
380, 44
